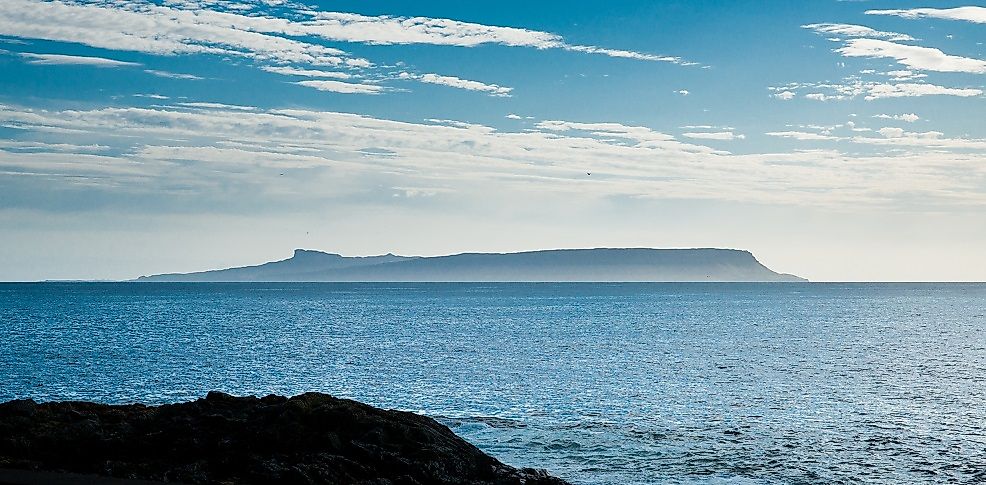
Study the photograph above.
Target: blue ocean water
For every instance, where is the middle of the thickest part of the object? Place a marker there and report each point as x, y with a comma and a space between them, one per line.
599, 383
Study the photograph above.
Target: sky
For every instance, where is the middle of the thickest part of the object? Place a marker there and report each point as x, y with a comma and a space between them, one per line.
836, 140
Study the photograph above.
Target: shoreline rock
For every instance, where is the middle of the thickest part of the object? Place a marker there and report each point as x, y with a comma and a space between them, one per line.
311, 438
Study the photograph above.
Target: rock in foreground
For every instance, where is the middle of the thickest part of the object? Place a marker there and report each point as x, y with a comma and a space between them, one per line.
308, 439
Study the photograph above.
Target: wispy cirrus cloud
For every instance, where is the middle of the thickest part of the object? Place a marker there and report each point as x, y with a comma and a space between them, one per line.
273, 42
342, 87
973, 14
216, 106
50, 147
865, 42
626, 54
637, 136
850, 30
915, 57
854, 87
717, 135
167, 30
173, 75
385, 29
459, 83
893, 136
909, 90
242, 150
162, 30
61, 60
801, 135
315, 73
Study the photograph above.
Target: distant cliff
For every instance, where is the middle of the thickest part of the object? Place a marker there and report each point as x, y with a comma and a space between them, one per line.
561, 265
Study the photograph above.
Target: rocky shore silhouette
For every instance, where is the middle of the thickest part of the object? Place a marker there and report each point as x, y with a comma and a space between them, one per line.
307, 439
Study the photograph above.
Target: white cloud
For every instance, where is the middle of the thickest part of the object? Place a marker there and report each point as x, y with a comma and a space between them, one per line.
784, 95
915, 57
626, 54
849, 30
853, 87
173, 75
866, 42
155, 29
59, 59
189, 28
904, 75
852, 126
890, 132
454, 82
342, 87
636, 136
720, 135
683, 92
217, 106
242, 151
275, 44
931, 140
801, 135
291, 71
908, 117
385, 29
824, 97
215, 142
512, 116
51, 147
906, 90
969, 14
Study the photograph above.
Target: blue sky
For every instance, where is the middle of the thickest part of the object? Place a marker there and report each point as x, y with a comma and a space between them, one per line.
839, 140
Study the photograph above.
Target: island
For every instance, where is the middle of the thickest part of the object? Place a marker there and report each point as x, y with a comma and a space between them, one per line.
557, 265
307, 439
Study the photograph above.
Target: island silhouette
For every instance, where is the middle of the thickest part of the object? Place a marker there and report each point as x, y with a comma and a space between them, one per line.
555, 265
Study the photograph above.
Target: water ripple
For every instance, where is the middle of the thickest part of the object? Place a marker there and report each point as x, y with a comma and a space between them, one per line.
601, 384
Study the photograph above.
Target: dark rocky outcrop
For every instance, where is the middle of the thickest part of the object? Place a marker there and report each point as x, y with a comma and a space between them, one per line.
307, 439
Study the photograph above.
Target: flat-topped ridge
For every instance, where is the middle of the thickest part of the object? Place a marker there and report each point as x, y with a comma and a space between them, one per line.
553, 265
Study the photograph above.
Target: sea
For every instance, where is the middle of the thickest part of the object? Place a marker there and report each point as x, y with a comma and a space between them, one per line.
790, 383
